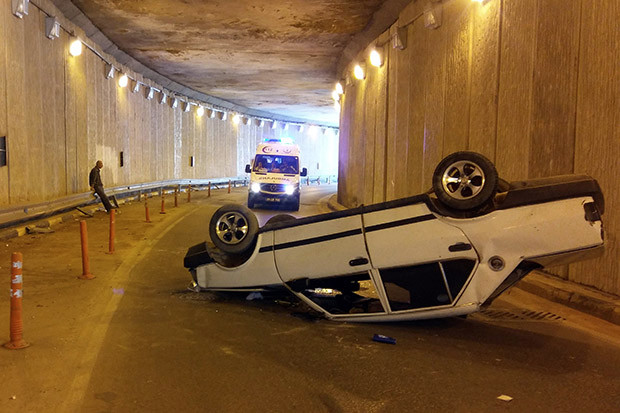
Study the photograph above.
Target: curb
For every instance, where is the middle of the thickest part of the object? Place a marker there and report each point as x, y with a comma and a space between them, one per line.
573, 295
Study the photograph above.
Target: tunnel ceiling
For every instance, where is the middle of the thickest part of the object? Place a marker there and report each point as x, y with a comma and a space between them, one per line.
277, 56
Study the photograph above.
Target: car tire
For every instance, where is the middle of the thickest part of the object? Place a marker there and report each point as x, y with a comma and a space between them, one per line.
233, 229
465, 181
250, 201
280, 218
295, 204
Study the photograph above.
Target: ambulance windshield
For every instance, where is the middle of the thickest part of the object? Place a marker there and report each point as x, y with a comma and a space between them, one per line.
276, 164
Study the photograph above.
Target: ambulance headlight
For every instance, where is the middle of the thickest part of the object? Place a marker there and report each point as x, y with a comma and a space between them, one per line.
289, 189
255, 187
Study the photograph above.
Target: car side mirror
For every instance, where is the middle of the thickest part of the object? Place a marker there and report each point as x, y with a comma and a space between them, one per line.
248, 169
304, 172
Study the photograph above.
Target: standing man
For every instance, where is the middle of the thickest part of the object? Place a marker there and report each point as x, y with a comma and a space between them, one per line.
94, 180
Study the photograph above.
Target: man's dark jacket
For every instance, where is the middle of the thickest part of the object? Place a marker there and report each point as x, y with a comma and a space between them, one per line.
94, 179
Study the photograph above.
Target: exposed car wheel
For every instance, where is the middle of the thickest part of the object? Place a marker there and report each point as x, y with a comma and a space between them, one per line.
233, 228
280, 218
465, 180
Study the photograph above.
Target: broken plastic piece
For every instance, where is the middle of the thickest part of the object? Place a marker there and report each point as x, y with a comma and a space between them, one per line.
254, 296
504, 398
383, 339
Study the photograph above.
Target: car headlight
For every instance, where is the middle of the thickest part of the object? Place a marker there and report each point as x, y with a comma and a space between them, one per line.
255, 187
289, 189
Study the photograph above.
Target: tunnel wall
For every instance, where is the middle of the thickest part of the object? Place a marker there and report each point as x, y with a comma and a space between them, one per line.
533, 85
60, 114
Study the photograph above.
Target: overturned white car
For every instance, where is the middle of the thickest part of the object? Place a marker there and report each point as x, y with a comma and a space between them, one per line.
444, 253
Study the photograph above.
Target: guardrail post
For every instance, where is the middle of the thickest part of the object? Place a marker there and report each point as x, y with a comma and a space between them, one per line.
112, 231
86, 275
16, 327
318, 180
176, 200
308, 181
209, 189
163, 206
229, 186
146, 209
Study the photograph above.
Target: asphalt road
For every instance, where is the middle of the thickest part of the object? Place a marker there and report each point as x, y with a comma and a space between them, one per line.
140, 341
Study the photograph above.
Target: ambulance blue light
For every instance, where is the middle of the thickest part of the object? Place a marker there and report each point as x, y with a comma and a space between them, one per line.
285, 140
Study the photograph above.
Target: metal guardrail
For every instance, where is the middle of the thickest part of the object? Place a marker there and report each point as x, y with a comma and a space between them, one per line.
20, 214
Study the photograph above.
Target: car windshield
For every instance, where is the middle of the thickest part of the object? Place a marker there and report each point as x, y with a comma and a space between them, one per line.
276, 163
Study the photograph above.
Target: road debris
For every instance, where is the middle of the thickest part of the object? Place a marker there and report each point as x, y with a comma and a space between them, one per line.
383, 339
504, 398
254, 296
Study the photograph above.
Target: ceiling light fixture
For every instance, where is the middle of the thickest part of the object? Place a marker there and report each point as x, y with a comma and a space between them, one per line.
200, 111
109, 71
76, 47
123, 81
359, 72
376, 59
20, 8
339, 88
52, 28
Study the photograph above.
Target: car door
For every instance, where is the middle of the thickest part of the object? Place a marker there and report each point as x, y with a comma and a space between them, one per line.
324, 260
422, 261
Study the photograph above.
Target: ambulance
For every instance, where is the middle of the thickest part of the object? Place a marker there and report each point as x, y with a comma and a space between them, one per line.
275, 174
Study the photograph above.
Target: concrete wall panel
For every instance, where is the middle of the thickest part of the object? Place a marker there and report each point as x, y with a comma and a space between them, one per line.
4, 170
597, 143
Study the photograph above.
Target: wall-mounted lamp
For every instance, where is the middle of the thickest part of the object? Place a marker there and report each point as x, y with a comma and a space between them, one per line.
432, 16
399, 39
75, 48
150, 93
109, 71
223, 115
274, 124
285, 126
20, 8
339, 88
123, 81
200, 111
175, 103
359, 72
163, 98
336, 95
213, 114
187, 106
376, 57
236, 119
52, 28
261, 123
301, 128
135, 88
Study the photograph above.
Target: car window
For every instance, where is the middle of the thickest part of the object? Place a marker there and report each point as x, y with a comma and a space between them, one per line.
426, 285
276, 164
